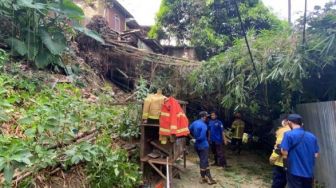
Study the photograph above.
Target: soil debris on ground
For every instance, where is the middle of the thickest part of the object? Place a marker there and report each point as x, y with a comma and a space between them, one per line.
247, 170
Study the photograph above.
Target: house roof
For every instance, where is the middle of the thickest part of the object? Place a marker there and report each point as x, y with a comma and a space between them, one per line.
132, 23
116, 4
142, 35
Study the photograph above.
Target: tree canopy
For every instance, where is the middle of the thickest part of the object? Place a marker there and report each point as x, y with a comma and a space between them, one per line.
210, 26
290, 73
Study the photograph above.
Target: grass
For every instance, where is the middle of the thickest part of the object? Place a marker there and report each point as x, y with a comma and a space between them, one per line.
246, 169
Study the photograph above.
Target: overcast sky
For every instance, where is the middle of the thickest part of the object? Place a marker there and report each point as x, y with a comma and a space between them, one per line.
144, 10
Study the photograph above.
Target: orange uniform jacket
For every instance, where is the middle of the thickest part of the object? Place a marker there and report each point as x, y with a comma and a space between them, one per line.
173, 120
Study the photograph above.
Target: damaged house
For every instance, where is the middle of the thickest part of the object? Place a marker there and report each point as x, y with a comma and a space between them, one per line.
128, 54
122, 22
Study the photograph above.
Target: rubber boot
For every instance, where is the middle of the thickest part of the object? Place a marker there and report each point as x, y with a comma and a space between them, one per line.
203, 177
209, 178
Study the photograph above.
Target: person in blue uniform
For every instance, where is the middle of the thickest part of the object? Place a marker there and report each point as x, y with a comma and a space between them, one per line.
198, 130
300, 148
217, 140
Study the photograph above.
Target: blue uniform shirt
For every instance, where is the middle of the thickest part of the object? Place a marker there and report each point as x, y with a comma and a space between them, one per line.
216, 131
302, 158
198, 130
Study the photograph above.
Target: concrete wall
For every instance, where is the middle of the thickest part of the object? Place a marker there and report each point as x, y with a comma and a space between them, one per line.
320, 119
187, 53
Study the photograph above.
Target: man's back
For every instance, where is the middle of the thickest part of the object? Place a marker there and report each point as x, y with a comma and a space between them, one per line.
302, 147
238, 125
198, 130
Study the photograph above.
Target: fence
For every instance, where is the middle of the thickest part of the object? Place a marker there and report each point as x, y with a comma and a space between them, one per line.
320, 119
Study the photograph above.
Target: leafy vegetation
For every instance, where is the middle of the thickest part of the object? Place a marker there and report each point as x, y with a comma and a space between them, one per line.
129, 125
320, 53
38, 121
231, 80
210, 26
112, 168
40, 30
289, 73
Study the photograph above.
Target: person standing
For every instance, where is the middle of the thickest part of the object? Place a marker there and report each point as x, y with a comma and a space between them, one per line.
217, 140
276, 159
238, 127
300, 149
198, 130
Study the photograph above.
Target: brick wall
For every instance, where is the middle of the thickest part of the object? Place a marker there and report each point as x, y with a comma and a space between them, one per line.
112, 16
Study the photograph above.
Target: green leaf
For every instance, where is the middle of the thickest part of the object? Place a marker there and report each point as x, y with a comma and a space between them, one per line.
42, 60
209, 2
116, 171
26, 160
5, 104
69, 9
2, 163
72, 10
22, 157
25, 121
92, 34
2, 91
71, 151
55, 42
3, 117
45, 58
30, 4
8, 172
30, 132
17, 45
75, 159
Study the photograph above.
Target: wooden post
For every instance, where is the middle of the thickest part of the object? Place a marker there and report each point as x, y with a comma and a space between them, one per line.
185, 159
168, 173
304, 25
290, 11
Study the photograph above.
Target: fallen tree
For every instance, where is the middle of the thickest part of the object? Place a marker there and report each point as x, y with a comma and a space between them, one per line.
125, 64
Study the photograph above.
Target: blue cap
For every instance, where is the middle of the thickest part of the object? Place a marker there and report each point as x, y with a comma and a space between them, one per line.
294, 117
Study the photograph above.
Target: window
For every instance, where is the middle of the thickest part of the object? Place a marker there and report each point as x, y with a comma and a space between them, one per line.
117, 23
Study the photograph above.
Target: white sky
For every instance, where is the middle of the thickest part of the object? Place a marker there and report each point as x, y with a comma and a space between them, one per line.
280, 7
144, 10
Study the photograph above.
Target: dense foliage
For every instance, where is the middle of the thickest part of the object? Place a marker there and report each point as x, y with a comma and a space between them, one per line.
289, 72
40, 30
320, 53
210, 26
35, 117
229, 78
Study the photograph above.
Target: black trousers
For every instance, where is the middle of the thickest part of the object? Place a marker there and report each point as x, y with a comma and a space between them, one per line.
279, 177
299, 182
236, 144
203, 155
219, 154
